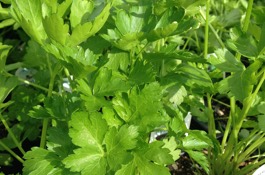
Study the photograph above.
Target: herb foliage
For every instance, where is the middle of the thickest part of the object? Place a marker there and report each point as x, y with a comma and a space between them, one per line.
133, 67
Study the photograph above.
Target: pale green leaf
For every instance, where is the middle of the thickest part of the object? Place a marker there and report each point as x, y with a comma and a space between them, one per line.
172, 145
55, 28
28, 14
131, 22
80, 11
83, 31
87, 129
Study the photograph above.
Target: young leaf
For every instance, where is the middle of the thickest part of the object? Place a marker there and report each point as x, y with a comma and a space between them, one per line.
87, 131
55, 28
83, 31
172, 145
28, 14
130, 22
80, 11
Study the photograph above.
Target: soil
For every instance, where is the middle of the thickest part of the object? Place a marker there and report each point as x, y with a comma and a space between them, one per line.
185, 166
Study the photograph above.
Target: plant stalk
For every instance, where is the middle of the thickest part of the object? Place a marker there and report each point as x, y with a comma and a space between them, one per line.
12, 135
11, 152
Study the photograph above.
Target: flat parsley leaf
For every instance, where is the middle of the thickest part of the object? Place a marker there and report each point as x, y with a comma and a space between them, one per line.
87, 131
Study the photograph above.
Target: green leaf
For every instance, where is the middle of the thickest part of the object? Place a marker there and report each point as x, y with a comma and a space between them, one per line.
55, 28
6, 23
80, 11
42, 161
200, 158
108, 82
7, 85
174, 55
261, 122
261, 44
225, 61
122, 139
146, 167
134, 107
172, 145
118, 61
196, 140
240, 84
35, 55
142, 73
87, 131
159, 154
176, 94
28, 14
17, 130
4, 49
193, 75
58, 140
239, 45
83, 31
130, 22
118, 144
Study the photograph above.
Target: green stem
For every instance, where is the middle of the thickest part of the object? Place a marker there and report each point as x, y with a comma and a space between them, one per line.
219, 40
211, 122
206, 37
13, 66
11, 152
45, 122
12, 135
248, 14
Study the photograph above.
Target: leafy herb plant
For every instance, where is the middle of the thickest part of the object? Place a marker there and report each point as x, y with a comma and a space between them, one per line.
103, 75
